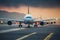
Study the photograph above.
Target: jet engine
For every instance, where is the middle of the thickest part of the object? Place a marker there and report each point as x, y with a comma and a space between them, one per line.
9, 22
41, 23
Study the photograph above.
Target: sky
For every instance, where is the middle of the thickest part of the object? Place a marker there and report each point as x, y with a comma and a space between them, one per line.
37, 8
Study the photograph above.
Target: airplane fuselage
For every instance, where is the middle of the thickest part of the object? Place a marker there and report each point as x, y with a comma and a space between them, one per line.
28, 19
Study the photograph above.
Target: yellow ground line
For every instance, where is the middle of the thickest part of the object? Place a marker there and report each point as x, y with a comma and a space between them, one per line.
49, 36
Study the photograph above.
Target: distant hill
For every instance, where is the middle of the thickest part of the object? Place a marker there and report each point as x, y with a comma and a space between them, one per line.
12, 15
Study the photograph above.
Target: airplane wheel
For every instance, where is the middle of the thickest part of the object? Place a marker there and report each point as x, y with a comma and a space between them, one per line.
47, 23
20, 25
28, 25
54, 22
35, 25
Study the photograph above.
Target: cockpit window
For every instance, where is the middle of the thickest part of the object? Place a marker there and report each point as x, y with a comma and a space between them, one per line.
28, 17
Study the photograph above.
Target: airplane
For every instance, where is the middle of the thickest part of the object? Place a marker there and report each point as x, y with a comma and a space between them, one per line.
28, 19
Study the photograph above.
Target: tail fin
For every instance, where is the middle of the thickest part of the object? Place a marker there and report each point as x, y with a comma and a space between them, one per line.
28, 7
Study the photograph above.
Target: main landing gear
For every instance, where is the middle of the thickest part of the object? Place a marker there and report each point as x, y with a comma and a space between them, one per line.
35, 25
20, 25
28, 25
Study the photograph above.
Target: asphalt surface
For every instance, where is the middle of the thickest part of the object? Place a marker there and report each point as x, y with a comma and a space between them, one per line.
29, 33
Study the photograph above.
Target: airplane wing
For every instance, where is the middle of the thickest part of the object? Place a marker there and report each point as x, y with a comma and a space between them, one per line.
8, 20
41, 21
45, 21
22, 21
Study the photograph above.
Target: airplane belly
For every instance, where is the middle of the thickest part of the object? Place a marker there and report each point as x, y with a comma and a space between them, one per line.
28, 22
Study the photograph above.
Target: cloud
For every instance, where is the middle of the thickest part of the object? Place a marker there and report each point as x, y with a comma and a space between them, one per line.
34, 3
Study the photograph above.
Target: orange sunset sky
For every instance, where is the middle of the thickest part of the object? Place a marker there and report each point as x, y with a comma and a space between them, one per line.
35, 11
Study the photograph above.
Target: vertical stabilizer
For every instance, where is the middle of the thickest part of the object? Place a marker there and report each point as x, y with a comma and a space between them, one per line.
28, 6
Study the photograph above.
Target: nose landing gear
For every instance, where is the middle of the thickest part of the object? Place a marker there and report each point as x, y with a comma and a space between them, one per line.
35, 25
28, 25
20, 25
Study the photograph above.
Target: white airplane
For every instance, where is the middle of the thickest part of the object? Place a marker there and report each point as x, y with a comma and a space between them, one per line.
28, 19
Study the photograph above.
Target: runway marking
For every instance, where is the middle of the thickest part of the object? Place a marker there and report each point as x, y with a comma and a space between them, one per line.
21, 38
49, 36
10, 30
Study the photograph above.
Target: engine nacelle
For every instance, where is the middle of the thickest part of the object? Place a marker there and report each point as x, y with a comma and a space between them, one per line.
51, 22
54, 22
47, 23
41, 23
9, 22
